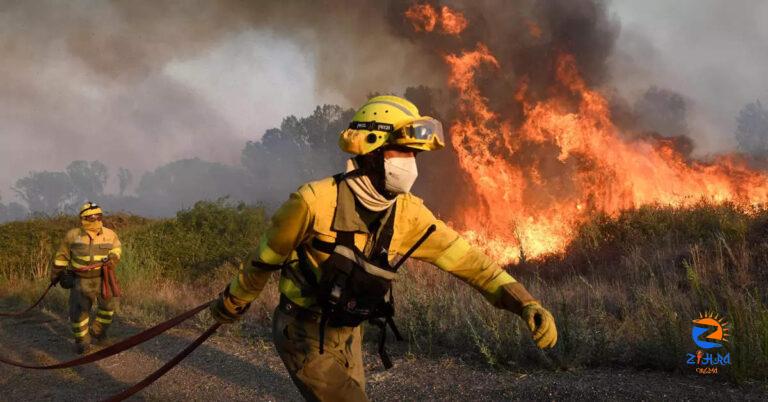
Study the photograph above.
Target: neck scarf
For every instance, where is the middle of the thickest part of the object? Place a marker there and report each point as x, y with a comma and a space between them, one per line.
364, 191
92, 228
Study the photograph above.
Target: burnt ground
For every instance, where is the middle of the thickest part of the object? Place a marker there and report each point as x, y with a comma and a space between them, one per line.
234, 368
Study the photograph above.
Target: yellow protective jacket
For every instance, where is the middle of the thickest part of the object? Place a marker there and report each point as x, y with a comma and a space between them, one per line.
311, 212
79, 249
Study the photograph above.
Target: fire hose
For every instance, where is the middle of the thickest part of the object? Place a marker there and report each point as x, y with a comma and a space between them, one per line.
128, 343
35, 304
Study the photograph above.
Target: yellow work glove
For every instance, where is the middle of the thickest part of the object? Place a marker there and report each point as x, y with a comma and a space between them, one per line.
227, 308
515, 298
541, 323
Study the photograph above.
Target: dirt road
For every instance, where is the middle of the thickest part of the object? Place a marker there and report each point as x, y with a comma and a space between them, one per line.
247, 368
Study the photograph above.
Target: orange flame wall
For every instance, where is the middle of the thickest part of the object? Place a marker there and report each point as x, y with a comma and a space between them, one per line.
538, 180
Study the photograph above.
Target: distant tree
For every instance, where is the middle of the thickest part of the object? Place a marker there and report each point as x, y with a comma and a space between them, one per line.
300, 150
752, 129
12, 212
181, 183
88, 179
662, 111
46, 192
125, 178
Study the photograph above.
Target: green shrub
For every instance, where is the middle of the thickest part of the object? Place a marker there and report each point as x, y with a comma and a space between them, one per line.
199, 239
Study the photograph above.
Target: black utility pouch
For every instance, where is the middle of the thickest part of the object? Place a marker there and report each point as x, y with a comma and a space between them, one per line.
352, 289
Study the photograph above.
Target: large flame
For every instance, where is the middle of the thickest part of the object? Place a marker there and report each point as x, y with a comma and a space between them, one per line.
538, 180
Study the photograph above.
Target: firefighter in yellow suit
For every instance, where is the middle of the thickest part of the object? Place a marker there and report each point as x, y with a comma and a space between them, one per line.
78, 266
306, 234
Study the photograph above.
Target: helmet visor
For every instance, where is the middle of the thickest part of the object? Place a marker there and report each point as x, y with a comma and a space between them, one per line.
424, 129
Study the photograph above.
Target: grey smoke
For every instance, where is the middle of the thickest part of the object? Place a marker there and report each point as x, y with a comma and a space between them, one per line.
714, 53
142, 83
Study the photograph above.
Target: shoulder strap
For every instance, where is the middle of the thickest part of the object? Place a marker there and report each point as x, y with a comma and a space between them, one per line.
380, 251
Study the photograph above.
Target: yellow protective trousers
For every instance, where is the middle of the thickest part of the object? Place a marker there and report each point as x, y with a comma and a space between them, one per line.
82, 297
337, 374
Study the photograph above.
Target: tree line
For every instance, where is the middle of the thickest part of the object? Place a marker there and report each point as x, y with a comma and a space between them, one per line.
302, 149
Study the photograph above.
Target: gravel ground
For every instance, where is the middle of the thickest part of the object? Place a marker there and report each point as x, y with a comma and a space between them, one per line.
235, 369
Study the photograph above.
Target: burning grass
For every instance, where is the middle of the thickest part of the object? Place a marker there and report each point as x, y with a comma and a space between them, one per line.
623, 294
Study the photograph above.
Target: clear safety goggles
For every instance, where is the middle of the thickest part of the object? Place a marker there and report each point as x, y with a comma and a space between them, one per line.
424, 129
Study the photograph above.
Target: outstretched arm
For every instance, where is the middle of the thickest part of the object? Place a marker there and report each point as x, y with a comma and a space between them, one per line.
451, 253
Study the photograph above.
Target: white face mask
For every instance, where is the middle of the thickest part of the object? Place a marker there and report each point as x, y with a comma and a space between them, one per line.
400, 174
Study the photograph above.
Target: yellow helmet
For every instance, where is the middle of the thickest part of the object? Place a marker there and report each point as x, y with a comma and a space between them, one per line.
390, 120
90, 208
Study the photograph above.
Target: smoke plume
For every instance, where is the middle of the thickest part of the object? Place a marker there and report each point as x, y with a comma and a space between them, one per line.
142, 83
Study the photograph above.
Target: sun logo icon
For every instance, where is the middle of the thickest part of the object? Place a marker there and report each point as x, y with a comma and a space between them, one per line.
709, 331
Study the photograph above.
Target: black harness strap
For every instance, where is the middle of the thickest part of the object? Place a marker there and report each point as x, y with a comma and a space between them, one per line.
268, 267
383, 355
323, 246
346, 239
380, 255
306, 270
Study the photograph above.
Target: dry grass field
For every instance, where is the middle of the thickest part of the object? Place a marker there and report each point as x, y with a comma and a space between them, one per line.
623, 294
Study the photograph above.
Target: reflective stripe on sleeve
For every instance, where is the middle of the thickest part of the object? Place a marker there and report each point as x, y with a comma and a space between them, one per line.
266, 254
293, 292
60, 263
235, 289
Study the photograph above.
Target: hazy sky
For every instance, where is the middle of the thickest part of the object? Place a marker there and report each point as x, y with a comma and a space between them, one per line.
208, 106
207, 95
714, 52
